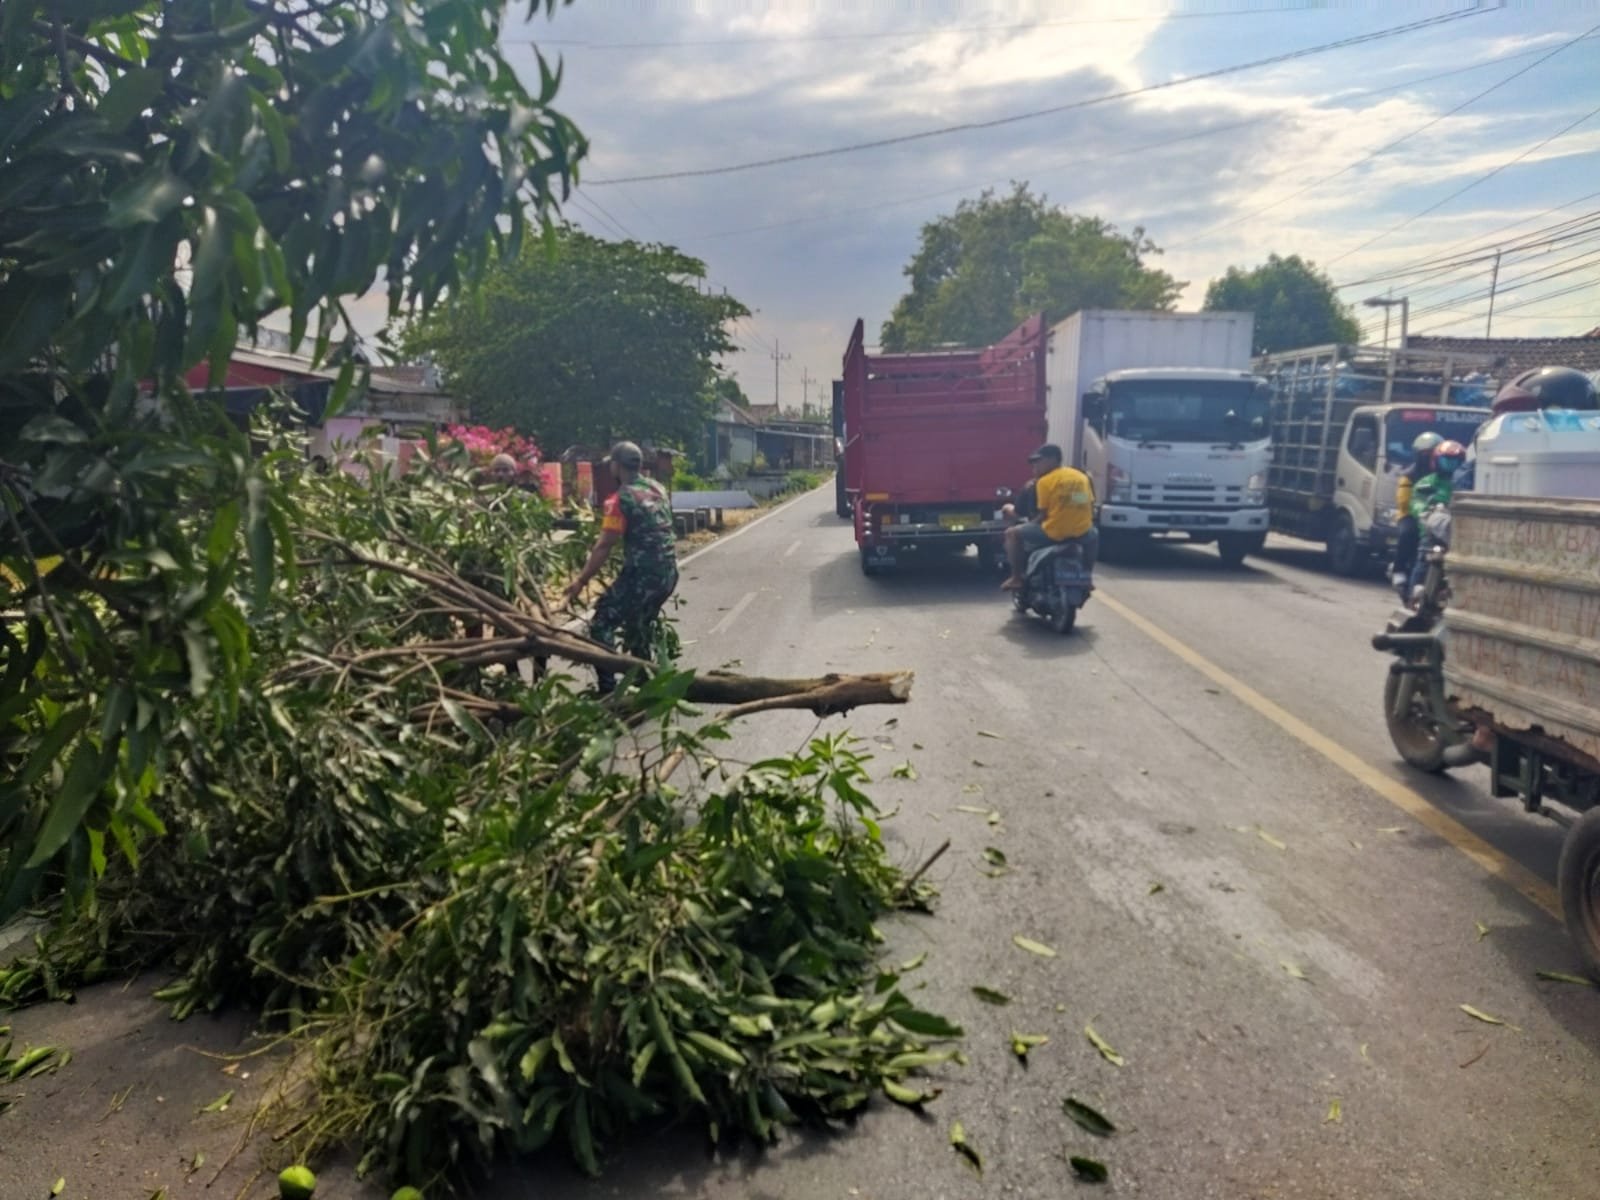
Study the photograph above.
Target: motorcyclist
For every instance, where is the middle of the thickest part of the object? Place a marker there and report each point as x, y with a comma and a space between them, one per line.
1405, 546
1064, 502
1542, 387
1435, 488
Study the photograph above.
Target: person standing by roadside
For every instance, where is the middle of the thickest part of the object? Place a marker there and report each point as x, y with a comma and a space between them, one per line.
639, 515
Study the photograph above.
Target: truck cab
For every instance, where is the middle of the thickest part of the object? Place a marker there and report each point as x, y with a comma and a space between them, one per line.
1180, 451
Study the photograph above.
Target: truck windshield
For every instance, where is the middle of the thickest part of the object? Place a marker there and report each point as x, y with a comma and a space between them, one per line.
1178, 410
1403, 426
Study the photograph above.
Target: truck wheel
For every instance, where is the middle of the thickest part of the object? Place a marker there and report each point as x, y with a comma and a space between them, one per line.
841, 499
1578, 880
1233, 549
1345, 554
1416, 735
869, 564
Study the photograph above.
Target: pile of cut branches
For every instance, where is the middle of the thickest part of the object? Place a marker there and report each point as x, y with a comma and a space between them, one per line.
498, 911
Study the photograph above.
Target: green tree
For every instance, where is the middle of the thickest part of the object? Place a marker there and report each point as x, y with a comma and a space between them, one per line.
173, 171
982, 269
586, 342
727, 387
1294, 303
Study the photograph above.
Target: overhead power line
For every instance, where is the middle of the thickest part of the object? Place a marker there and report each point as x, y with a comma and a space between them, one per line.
1387, 146
912, 34
1461, 191
1036, 169
1485, 252
1072, 106
1519, 304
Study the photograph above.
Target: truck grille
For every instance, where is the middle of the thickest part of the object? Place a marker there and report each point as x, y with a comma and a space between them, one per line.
1187, 495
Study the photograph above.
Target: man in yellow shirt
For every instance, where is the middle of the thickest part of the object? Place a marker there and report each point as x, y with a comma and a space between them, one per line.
1063, 512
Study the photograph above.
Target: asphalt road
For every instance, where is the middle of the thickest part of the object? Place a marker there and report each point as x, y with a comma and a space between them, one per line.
1311, 941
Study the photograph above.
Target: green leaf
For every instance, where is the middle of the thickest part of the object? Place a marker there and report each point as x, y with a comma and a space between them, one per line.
716, 1048
1335, 1111
994, 857
58, 1186
78, 791
1479, 1015
912, 1097
50, 429
1156, 888
1087, 1118
968, 1153
220, 1104
131, 94
1563, 977
1021, 1043
926, 1024
1100, 1044
904, 771
1293, 970
1033, 947
1089, 1169
990, 996
911, 964
1270, 840
146, 200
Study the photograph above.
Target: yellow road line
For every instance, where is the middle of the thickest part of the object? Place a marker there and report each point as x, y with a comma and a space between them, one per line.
1416, 805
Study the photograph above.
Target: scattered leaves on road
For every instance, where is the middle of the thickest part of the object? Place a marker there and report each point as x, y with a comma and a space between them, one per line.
1364, 1056
1269, 839
1100, 1044
911, 964
988, 734
1033, 947
978, 762
220, 1104
994, 856
904, 771
1293, 970
1156, 888
1479, 1015
1483, 930
1335, 1112
1088, 1118
976, 810
1089, 1169
1021, 1043
958, 1142
1393, 829
58, 1186
1476, 1056
990, 996
1563, 977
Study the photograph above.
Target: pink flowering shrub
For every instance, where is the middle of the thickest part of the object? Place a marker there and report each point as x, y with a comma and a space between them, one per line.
482, 443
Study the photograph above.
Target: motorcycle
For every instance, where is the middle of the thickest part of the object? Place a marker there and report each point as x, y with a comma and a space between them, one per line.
1056, 585
1415, 710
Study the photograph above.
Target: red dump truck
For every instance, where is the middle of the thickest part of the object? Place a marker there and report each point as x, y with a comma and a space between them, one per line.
933, 441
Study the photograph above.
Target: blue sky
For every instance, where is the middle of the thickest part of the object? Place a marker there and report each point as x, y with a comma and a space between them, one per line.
1219, 172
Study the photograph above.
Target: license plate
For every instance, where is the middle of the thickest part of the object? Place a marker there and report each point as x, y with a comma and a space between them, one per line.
959, 520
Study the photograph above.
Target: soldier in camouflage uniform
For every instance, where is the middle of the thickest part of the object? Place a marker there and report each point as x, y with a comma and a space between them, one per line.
639, 515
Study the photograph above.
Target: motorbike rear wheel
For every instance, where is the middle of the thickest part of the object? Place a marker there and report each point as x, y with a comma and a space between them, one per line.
1063, 617
1415, 734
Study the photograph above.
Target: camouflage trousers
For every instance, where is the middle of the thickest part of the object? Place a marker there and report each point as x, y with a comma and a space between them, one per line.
628, 611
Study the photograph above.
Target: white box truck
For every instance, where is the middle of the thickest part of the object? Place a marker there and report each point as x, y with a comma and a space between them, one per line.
1163, 414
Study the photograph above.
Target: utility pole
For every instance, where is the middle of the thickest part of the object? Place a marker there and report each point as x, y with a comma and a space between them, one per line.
778, 359
1494, 282
806, 380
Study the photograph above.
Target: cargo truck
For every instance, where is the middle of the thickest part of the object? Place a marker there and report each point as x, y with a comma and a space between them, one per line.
1162, 413
1343, 420
932, 442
